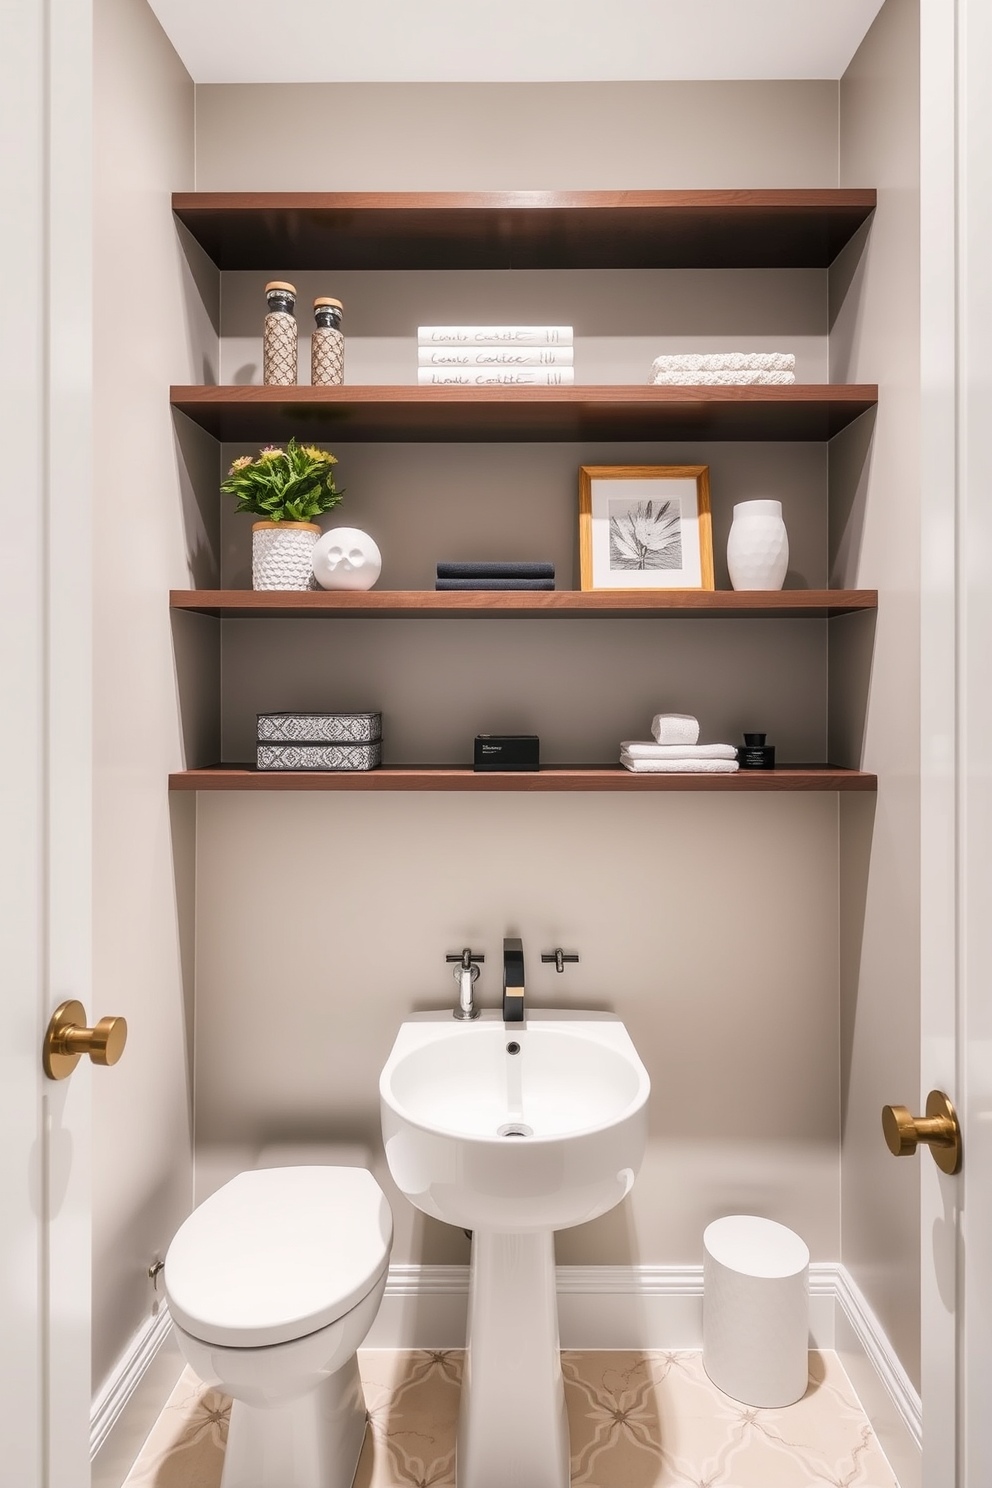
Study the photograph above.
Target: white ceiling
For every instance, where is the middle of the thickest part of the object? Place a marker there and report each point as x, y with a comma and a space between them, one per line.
280, 41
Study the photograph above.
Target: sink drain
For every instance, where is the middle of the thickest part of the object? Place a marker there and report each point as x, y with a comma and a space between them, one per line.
515, 1129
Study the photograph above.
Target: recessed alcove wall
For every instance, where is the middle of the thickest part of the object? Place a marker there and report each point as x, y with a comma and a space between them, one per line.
583, 685
713, 931
708, 923
622, 318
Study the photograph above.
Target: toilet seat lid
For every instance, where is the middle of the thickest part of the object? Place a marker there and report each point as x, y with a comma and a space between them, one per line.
278, 1253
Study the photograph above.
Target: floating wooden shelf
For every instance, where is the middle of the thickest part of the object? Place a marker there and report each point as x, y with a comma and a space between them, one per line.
523, 229
433, 415
554, 778
242, 604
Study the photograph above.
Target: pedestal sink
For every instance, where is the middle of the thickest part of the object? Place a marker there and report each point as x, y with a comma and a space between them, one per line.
513, 1131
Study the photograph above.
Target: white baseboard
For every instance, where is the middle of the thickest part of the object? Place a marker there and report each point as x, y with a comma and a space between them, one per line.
126, 1376
132, 1398
887, 1394
600, 1307
621, 1307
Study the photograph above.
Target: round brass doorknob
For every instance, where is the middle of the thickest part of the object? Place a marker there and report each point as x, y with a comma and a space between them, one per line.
939, 1129
68, 1039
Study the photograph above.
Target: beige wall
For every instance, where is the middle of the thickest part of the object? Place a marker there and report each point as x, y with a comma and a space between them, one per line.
710, 924
514, 136
143, 852
875, 541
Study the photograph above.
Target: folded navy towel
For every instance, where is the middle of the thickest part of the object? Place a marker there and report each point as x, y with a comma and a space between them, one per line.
494, 584
495, 570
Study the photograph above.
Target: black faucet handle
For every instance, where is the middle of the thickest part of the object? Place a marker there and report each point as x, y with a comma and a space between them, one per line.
467, 958
559, 957
513, 979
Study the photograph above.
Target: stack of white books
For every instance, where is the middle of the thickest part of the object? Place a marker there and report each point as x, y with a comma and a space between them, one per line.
495, 356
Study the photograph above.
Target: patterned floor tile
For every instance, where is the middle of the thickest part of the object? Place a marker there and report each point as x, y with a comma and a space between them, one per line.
636, 1420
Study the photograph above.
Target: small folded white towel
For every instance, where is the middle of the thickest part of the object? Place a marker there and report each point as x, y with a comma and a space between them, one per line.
678, 766
726, 361
641, 749
722, 379
675, 728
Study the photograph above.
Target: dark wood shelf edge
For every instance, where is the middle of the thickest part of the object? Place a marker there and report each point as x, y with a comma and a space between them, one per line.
524, 229
737, 199
402, 412
555, 778
399, 603
652, 394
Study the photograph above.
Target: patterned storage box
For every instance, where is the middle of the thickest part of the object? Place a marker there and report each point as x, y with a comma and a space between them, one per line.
319, 756
319, 728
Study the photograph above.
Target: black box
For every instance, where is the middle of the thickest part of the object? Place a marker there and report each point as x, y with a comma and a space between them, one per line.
507, 752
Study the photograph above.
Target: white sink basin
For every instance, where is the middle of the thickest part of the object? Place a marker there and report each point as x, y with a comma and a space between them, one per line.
513, 1131
514, 1127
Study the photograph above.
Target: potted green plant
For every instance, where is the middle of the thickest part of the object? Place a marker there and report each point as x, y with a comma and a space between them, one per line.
286, 488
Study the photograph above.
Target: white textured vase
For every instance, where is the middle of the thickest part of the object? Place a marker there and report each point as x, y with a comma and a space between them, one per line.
758, 546
282, 555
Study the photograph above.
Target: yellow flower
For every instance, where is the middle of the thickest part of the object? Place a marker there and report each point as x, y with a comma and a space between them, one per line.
324, 456
240, 463
271, 452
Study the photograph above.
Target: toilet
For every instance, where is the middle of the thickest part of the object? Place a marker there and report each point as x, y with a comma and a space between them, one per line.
273, 1283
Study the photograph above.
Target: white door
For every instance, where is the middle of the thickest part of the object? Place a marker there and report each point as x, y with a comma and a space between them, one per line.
957, 731
974, 1023
45, 457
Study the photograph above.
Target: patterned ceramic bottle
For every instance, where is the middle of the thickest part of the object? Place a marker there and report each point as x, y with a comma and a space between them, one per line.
327, 344
280, 339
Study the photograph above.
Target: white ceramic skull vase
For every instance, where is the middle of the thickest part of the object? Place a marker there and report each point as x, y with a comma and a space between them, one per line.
346, 558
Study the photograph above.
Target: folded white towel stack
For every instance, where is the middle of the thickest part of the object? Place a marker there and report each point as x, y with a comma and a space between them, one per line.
722, 379
675, 728
726, 361
691, 766
676, 750
641, 749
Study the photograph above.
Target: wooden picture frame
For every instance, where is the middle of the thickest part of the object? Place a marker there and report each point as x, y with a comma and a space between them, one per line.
644, 527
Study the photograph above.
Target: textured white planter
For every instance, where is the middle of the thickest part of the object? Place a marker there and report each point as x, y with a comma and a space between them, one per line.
758, 546
282, 555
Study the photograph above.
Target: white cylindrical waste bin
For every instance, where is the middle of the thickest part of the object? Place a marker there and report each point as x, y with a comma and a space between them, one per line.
755, 1310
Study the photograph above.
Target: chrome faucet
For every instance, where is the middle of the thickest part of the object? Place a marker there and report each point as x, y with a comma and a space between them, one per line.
513, 979
466, 975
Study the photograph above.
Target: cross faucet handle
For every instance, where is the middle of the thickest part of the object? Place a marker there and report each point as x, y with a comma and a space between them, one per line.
467, 958
559, 957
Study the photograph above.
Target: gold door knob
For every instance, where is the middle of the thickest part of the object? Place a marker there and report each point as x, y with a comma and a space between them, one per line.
939, 1129
68, 1039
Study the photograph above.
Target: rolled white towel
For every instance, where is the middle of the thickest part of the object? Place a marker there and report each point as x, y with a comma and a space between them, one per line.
678, 766
726, 361
675, 728
722, 379
641, 749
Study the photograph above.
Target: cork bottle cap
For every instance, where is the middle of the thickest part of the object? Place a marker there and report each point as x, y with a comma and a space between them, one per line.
281, 284
324, 300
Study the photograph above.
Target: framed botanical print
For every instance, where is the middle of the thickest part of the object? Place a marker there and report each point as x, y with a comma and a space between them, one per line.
645, 527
